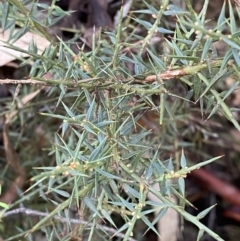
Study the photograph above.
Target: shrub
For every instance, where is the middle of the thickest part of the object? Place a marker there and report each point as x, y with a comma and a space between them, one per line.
119, 117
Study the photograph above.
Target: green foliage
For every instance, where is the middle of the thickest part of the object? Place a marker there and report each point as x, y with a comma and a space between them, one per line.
101, 159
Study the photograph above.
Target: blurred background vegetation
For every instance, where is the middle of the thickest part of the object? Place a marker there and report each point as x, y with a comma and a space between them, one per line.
104, 99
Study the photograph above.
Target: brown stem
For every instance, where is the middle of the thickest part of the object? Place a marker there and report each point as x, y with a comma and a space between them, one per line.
218, 186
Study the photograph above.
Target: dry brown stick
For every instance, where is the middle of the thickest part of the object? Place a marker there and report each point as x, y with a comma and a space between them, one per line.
225, 190
233, 212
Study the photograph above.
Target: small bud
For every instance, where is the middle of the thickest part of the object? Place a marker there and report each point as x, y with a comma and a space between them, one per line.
66, 173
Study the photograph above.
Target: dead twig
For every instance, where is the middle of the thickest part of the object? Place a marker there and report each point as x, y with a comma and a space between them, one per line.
225, 190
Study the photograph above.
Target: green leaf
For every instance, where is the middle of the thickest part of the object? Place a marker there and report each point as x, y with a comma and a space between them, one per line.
61, 192
160, 214
108, 217
221, 18
219, 76
91, 206
181, 184
107, 174
131, 190
139, 67
3, 205
18, 34
65, 126
126, 204
228, 41
236, 56
98, 151
200, 234
226, 58
5, 13
178, 52
159, 63
149, 172
125, 226
164, 30
197, 166
113, 186
169, 165
233, 25
146, 24
151, 8
150, 225
231, 90
183, 161
175, 10
90, 111
205, 212
206, 49
144, 11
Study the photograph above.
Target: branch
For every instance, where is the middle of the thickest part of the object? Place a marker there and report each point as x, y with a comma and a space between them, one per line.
84, 84
177, 73
40, 81
30, 212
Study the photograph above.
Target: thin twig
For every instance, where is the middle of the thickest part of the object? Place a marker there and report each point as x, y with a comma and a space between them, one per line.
88, 83
177, 73
21, 81
72, 83
31, 212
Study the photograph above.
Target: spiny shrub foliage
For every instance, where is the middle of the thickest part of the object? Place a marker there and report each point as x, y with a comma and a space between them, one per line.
102, 159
